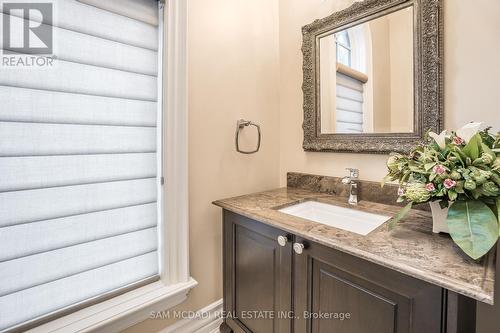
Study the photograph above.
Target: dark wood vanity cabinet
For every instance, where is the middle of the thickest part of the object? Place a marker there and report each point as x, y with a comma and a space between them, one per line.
257, 277
328, 291
375, 299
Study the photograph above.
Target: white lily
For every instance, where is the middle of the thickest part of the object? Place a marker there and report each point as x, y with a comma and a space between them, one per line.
468, 131
439, 138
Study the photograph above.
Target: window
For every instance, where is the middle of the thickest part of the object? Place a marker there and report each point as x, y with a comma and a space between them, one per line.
80, 152
351, 83
343, 48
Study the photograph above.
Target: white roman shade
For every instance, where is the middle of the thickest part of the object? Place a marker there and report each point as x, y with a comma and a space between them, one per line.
79, 166
349, 117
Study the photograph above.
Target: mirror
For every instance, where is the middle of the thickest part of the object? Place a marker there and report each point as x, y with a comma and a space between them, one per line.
366, 76
369, 86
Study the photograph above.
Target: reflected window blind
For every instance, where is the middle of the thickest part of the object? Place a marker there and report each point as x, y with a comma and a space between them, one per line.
349, 105
79, 163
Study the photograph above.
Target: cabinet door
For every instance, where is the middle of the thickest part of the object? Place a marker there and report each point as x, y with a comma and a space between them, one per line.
336, 292
257, 277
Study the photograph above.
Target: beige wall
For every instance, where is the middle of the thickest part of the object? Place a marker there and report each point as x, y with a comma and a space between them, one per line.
233, 73
471, 80
392, 72
401, 37
236, 71
381, 74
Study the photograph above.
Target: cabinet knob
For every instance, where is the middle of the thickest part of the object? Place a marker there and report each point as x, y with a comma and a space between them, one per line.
282, 240
298, 248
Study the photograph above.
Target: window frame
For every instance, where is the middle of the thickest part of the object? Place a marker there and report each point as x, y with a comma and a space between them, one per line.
340, 45
127, 309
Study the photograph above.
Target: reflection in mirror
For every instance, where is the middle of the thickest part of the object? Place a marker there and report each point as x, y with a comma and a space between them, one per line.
366, 76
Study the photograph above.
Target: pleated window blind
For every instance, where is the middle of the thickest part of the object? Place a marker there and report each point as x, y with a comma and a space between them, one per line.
78, 163
349, 105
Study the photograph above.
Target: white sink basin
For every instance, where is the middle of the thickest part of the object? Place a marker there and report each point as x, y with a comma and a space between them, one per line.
335, 216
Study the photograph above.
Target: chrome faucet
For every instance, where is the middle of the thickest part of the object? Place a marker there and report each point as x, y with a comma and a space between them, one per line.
352, 181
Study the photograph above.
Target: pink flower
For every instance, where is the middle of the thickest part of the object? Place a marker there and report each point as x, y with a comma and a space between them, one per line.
439, 169
430, 187
449, 183
458, 141
401, 191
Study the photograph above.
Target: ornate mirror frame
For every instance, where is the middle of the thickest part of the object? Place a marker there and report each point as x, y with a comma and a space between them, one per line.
428, 77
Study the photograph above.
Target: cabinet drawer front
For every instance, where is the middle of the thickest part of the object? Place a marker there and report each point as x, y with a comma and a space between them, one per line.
257, 276
336, 292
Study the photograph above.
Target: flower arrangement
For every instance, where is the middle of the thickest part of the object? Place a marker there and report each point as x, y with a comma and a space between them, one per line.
460, 170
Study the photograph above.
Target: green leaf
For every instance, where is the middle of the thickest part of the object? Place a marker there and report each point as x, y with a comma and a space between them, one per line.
472, 147
459, 157
475, 193
402, 213
460, 187
478, 162
405, 177
386, 179
473, 227
429, 166
452, 195
416, 168
460, 153
487, 150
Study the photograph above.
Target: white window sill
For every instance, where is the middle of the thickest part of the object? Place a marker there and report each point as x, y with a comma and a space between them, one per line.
122, 311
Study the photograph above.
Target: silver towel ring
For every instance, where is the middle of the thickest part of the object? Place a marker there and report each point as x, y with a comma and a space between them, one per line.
241, 124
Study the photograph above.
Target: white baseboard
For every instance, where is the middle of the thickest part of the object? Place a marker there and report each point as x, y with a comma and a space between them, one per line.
208, 321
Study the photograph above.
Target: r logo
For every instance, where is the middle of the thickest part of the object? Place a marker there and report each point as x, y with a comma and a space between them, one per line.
27, 28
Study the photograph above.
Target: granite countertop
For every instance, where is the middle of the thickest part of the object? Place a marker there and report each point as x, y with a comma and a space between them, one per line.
411, 248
